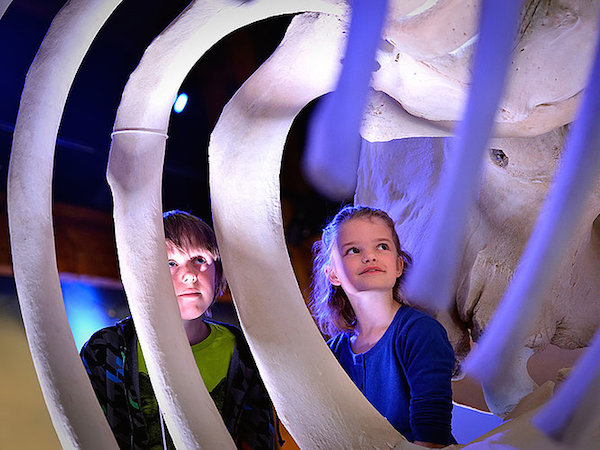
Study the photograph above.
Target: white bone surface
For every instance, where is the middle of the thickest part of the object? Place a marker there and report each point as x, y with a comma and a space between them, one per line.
572, 416
547, 73
63, 380
509, 198
313, 396
436, 28
134, 174
401, 176
432, 280
4, 4
566, 204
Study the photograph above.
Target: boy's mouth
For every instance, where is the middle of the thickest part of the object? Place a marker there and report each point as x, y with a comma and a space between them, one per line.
189, 293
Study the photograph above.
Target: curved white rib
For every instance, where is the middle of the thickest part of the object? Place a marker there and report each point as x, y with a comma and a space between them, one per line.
134, 173
313, 396
4, 4
75, 412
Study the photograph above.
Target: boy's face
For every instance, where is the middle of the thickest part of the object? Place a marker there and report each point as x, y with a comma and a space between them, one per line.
193, 275
365, 257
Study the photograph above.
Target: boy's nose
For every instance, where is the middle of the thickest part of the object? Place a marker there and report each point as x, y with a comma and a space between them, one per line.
189, 277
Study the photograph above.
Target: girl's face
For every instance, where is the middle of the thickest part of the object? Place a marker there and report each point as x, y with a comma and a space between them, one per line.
365, 257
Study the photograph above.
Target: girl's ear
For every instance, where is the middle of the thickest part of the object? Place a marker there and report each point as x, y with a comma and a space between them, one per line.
399, 266
333, 279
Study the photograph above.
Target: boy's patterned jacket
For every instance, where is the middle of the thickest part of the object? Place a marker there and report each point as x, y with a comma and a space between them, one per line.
110, 359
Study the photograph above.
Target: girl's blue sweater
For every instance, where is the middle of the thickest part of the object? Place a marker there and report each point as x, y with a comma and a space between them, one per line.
406, 375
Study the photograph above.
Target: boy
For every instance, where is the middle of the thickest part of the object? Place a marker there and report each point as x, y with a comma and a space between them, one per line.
116, 367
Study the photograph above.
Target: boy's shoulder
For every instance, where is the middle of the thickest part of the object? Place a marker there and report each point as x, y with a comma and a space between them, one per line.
240, 340
232, 328
112, 334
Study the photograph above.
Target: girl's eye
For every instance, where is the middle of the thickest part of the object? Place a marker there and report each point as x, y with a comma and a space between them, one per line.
200, 260
383, 246
352, 251
172, 263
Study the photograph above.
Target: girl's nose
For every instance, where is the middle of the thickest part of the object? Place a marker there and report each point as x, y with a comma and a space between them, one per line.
368, 257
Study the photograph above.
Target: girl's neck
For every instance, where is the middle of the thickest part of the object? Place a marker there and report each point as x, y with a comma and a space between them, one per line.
196, 330
374, 314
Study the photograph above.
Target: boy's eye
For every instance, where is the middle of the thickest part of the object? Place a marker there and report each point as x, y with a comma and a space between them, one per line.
172, 263
383, 246
352, 251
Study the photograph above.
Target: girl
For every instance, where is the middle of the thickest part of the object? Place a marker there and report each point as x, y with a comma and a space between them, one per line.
398, 357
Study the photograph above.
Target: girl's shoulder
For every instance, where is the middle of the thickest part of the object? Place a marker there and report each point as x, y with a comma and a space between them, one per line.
410, 314
411, 320
339, 341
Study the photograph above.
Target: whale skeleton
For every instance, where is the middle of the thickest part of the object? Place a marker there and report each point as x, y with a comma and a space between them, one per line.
314, 398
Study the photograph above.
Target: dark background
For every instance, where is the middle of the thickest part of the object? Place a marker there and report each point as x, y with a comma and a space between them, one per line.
84, 135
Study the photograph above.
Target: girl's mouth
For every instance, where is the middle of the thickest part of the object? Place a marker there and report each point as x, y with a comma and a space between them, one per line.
371, 270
